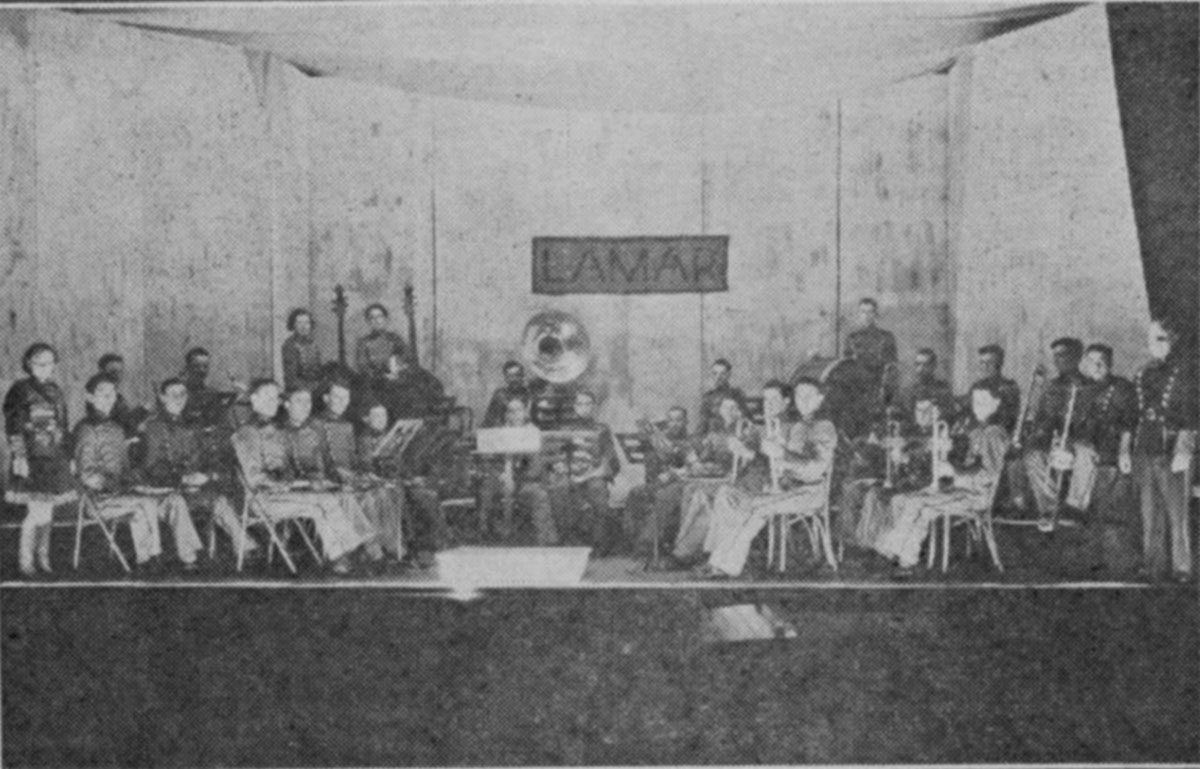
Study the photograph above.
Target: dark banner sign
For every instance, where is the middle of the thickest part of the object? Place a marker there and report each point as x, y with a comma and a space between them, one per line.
648, 265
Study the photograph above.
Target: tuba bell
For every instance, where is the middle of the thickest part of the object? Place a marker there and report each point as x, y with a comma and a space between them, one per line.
555, 346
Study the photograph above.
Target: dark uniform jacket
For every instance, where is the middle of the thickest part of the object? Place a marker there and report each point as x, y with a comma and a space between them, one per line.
498, 405
100, 449
340, 442
1167, 402
301, 362
671, 454
933, 390
415, 393
35, 421
263, 452
874, 347
1010, 401
307, 451
596, 451
710, 404
373, 350
1052, 410
1107, 409
172, 449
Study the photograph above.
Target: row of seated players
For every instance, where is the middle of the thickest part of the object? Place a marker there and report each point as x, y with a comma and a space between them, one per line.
572, 502
1127, 454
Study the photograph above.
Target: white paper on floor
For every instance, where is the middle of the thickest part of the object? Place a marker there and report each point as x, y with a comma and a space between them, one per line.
745, 622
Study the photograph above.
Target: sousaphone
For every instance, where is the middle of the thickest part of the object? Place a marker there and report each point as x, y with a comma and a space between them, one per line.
555, 346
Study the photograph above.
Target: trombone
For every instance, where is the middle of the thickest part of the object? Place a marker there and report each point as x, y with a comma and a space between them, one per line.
1035, 384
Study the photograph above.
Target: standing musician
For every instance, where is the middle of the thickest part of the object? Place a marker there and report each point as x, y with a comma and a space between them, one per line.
201, 397
382, 503
578, 487
302, 367
35, 422
873, 347
709, 466
901, 535
721, 389
1108, 417
991, 375
525, 486
652, 509
1162, 453
515, 386
375, 349
1043, 478
799, 456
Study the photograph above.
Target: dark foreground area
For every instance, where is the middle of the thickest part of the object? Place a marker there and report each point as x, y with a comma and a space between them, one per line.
294, 676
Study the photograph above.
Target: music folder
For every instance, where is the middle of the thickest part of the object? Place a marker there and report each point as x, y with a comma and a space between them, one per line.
508, 440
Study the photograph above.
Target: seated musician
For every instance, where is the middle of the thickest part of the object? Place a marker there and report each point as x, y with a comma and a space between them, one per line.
522, 480
578, 487
1042, 480
424, 520
515, 386
130, 418
799, 455
991, 374
924, 393
284, 466
301, 355
709, 466
373, 351
381, 502
408, 390
652, 509
901, 535
102, 464
1101, 484
710, 403
173, 459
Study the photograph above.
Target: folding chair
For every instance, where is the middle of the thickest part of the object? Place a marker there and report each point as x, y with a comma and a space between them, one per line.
979, 526
816, 522
89, 514
255, 513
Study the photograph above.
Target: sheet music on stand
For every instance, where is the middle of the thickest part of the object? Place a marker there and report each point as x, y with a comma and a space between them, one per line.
398, 438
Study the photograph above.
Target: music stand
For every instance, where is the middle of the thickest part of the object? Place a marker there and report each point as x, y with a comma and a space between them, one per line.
398, 437
509, 442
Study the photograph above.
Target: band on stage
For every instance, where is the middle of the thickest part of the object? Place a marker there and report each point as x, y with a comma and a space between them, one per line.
363, 463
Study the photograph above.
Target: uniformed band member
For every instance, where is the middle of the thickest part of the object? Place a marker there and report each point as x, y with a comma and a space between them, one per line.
382, 502
1161, 457
408, 390
721, 389
525, 485
652, 509
917, 401
35, 422
284, 466
900, 536
799, 456
130, 419
710, 466
103, 466
1044, 480
173, 459
515, 386
578, 487
871, 346
991, 375
1100, 483
373, 350
301, 355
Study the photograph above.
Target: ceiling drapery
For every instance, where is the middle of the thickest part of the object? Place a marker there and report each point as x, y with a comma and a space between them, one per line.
657, 57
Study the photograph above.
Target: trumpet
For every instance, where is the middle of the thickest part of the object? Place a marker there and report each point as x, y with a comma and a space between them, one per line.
1059, 445
939, 448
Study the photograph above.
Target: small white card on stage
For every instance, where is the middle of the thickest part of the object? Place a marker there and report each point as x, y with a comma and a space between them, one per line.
508, 440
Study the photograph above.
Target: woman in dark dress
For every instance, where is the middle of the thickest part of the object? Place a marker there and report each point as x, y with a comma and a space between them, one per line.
35, 422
